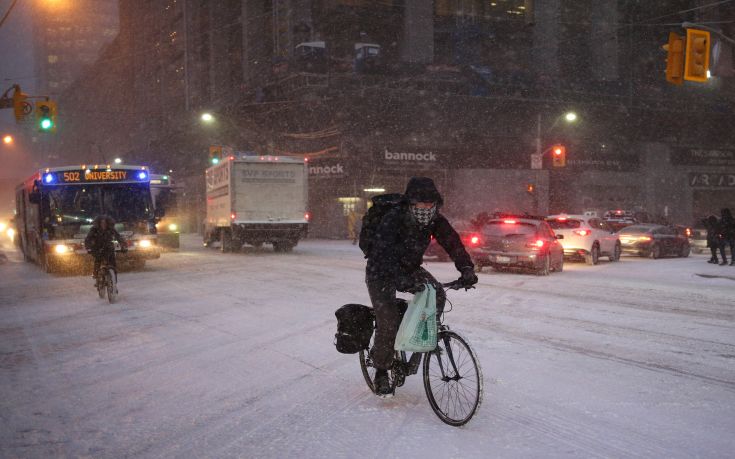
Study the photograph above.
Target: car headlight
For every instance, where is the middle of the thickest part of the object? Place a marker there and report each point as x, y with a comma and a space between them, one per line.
173, 227
10, 232
62, 248
144, 243
3, 226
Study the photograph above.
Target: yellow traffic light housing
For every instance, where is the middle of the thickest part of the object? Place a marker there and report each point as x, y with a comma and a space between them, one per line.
21, 106
46, 116
696, 61
215, 154
675, 58
558, 156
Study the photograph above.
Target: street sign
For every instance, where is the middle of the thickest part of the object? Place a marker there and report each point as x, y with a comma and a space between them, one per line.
536, 161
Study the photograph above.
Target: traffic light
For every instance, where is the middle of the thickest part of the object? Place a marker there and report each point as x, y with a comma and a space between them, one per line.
696, 62
530, 188
21, 106
46, 116
558, 156
215, 154
675, 58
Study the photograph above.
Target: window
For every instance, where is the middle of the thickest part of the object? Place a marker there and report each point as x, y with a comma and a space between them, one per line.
565, 224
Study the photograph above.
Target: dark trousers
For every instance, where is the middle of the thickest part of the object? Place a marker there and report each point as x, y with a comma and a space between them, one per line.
713, 249
724, 243
388, 316
108, 257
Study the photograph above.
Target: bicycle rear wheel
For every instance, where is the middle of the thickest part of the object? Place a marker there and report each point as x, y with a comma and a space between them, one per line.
111, 284
453, 379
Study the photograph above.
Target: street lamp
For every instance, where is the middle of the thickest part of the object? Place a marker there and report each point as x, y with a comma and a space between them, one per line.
118, 160
8, 139
207, 117
570, 117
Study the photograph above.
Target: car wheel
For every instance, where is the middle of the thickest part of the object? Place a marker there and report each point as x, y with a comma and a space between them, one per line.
594, 256
616, 253
560, 267
545, 267
655, 252
685, 249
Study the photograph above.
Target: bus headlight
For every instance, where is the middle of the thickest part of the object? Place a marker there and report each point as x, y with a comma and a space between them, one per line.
144, 243
173, 227
62, 248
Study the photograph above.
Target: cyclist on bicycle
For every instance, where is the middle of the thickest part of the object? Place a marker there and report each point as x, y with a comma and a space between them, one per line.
394, 264
99, 242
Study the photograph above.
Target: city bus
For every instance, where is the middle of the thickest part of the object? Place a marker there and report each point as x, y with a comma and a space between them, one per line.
166, 198
55, 208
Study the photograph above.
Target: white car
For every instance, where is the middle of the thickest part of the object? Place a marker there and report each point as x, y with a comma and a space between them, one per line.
586, 237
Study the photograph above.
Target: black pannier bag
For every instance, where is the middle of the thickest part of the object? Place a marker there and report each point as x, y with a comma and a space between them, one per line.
355, 324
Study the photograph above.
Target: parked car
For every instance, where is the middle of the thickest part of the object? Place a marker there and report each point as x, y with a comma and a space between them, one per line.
586, 238
655, 241
470, 238
520, 242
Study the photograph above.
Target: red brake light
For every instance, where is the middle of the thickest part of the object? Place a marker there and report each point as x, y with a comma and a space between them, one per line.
581, 232
474, 240
562, 219
233, 216
509, 222
539, 243
307, 216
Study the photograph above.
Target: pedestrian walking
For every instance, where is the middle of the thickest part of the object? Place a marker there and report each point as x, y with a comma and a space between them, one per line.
727, 236
713, 242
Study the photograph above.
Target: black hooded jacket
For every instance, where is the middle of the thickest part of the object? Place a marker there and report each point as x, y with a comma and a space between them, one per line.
100, 241
727, 225
399, 243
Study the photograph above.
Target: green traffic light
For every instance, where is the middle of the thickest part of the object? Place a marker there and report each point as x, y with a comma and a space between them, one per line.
215, 160
46, 124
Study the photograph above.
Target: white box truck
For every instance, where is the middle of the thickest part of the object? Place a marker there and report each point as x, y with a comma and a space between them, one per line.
256, 200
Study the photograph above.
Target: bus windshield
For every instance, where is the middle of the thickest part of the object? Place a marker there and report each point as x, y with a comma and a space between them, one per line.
126, 203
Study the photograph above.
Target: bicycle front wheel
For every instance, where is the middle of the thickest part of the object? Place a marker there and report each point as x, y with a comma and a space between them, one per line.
453, 379
111, 282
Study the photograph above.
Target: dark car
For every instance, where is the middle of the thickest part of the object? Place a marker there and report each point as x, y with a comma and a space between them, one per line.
470, 238
655, 241
520, 242
619, 219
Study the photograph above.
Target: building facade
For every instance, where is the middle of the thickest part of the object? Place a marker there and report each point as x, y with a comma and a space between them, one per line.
465, 91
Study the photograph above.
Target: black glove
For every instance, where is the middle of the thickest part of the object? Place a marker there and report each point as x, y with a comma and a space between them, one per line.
468, 277
408, 285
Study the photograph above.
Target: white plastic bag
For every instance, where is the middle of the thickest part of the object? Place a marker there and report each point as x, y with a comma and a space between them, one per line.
417, 332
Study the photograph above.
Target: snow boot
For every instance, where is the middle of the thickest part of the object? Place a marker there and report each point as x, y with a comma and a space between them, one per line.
382, 384
724, 262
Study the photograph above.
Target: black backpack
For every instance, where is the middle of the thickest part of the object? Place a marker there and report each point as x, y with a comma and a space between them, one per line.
355, 324
382, 204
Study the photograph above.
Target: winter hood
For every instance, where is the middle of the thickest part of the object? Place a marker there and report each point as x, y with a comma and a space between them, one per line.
422, 189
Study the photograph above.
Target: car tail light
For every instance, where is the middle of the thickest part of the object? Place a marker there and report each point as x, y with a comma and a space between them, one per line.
581, 232
538, 244
307, 216
562, 219
688, 232
644, 238
233, 215
474, 239
509, 222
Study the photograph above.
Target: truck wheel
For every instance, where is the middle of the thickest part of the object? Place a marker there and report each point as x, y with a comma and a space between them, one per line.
225, 241
283, 246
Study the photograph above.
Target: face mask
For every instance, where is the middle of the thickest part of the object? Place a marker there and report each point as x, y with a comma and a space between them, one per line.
423, 216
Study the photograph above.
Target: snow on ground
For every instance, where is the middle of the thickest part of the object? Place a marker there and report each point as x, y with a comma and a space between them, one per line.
230, 355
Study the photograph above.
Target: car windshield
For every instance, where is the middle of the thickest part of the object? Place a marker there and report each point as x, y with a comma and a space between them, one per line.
502, 229
81, 204
564, 223
636, 229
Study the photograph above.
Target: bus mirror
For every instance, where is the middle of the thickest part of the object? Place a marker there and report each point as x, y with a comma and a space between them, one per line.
159, 212
34, 197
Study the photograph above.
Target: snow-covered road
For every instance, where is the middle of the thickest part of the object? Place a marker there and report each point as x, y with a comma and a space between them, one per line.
230, 355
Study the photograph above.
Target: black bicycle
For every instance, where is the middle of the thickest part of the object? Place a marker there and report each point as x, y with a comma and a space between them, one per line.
452, 373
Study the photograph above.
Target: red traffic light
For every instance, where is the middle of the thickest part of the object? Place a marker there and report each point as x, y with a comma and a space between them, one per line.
559, 158
558, 151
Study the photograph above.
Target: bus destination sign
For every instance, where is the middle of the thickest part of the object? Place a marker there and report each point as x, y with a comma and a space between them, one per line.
94, 176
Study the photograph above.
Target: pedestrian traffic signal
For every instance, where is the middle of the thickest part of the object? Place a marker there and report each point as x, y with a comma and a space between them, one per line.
46, 116
21, 106
674, 58
558, 156
696, 62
